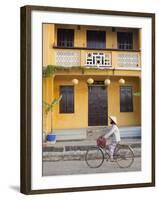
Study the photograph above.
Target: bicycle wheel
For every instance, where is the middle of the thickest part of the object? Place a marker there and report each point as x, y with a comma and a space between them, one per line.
124, 156
94, 157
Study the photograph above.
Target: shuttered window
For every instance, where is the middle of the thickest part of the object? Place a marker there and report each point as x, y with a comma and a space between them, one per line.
126, 99
96, 39
65, 37
125, 40
67, 101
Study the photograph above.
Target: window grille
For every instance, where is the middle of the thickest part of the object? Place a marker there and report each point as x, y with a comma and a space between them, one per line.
98, 59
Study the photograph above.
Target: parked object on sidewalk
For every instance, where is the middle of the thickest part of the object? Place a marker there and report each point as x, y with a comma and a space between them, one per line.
48, 108
51, 137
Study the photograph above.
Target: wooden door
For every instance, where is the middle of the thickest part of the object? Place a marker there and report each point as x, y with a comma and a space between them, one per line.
97, 106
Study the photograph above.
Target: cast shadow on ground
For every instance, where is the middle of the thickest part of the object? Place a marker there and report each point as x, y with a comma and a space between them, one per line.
15, 188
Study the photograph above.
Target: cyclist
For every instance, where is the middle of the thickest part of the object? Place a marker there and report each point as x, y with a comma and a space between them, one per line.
113, 136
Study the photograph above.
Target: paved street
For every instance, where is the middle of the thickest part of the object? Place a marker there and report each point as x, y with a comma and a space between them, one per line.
80, 167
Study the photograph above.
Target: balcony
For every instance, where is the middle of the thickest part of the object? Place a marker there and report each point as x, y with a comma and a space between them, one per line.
98, 59
129, 60
67, 58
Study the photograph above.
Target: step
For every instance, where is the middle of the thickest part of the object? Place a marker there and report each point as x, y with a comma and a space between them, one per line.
130, 132
79, 147
71, 134
94, 133
125, 132
74, 155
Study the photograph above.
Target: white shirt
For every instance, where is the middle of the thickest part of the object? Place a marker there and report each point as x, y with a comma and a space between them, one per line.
114, 132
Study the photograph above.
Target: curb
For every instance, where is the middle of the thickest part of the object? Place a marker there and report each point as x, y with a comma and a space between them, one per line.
78, 155
78, 148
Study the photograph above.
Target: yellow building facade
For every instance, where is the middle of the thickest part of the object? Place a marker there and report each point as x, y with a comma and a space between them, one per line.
81, 53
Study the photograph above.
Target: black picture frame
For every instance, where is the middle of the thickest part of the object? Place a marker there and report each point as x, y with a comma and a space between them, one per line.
26, 85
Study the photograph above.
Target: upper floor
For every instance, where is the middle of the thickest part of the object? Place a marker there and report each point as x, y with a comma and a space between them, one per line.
91, 46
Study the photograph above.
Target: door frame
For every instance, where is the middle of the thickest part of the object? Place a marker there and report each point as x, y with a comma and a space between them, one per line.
98, 84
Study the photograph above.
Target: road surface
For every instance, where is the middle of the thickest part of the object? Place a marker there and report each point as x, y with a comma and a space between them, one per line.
80, 167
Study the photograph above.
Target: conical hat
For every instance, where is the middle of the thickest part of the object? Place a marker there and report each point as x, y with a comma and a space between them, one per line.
113, 118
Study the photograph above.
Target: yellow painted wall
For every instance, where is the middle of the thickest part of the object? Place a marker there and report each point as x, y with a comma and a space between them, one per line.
79, 119
80, 40
80, 37
48, 42
80, 34
111, 40
48, 96
124, 118
99, 72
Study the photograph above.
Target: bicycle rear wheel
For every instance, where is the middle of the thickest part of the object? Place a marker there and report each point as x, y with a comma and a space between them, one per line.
94, 157
124, 156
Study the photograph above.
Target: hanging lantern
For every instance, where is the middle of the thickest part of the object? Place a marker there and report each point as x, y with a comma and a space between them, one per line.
75, 81
122, 81
107, 82
90, 81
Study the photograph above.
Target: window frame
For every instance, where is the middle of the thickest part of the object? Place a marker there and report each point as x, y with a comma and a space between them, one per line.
126, 110
124, 44
66, 111
65, 34
95, 42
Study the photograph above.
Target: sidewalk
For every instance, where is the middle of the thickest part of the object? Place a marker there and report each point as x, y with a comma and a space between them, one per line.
75, 150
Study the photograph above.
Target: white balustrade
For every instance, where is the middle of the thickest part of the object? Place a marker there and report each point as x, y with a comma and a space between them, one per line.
98, 59
67, 58
128, 60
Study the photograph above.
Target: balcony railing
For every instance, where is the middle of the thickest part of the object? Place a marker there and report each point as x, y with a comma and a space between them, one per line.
128, 60
67, 58
100, 59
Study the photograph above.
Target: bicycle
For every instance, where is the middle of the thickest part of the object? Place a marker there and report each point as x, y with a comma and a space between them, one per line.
95, 155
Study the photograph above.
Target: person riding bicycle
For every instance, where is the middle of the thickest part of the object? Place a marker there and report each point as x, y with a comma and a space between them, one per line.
113, 136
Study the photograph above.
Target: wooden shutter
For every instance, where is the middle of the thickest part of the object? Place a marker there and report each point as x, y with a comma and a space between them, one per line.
65, 37
126, 99
67, 101
125, 40
96, 39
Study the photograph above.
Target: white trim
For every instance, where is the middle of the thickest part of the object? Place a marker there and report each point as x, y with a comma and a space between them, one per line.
128, 68
143, 176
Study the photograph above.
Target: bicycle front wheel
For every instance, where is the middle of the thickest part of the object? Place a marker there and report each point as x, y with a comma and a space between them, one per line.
124, 156
94, 157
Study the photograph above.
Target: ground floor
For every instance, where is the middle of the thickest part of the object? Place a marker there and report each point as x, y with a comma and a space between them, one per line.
83, 105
